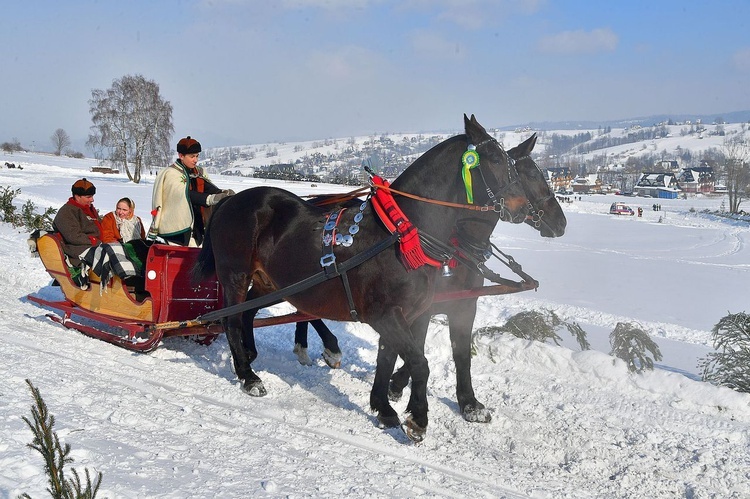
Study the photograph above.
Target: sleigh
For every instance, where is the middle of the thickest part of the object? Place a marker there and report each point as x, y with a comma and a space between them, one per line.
138, 319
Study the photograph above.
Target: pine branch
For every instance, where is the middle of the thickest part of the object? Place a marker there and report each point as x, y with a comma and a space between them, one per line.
729, 365
55, 456
631, 343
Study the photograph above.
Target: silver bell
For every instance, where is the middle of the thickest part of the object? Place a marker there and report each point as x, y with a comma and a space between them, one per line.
447, 272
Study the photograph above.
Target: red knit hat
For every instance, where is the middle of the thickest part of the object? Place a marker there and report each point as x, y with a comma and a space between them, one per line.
83, 188
188, 145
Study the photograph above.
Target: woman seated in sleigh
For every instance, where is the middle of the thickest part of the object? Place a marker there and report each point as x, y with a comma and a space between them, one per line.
110, 246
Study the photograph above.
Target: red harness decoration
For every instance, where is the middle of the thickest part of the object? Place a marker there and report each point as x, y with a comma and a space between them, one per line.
411, 252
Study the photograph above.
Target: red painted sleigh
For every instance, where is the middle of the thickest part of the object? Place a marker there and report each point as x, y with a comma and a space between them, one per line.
138, 321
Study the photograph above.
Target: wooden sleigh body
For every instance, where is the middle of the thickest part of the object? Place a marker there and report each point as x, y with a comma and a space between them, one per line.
118, 315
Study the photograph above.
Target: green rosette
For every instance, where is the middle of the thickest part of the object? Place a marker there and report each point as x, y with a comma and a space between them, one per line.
470, 160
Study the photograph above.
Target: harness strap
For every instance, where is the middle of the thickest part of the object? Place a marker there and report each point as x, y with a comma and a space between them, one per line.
329, 238
478, 266
332, 270
328, 260
302, 285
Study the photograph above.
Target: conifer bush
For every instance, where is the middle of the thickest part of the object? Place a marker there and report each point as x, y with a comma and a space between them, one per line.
730, 365
8, 210
56, 457
537, 326
27, 217
633, 345
33, 220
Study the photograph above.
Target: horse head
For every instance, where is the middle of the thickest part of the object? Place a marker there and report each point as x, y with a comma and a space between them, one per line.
496, 171
545, 213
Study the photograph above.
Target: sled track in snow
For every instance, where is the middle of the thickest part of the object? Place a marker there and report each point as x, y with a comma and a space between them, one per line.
264, 419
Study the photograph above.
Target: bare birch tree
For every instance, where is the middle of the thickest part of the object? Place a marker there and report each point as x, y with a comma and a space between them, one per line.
60, 140
132, 124
736, 155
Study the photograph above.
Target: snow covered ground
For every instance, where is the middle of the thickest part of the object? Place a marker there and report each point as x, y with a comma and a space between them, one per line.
566, 423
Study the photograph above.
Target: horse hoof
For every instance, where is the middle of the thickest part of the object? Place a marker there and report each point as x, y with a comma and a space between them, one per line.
302, 356
332, 359
389, 421
476, 414
254, 388
412, 430
394, 396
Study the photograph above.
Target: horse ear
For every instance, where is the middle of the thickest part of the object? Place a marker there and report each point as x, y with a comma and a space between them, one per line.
525, 147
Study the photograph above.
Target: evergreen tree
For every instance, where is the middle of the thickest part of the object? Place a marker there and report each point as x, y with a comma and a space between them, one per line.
537, 326
730, 365
631, 343
56, 457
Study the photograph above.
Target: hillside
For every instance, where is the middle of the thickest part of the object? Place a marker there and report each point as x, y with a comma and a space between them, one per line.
340, 160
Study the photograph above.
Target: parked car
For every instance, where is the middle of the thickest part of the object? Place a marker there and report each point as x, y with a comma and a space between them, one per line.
620, 209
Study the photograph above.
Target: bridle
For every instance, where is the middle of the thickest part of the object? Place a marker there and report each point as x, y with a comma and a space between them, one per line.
535, 215
496, 204
497, 200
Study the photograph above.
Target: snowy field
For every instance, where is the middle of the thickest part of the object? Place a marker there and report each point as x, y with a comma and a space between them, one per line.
566, 423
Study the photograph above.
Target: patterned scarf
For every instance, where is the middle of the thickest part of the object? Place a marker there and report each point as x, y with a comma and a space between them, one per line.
130, 228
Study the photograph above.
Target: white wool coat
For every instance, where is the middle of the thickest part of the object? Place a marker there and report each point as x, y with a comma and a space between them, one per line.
171, 196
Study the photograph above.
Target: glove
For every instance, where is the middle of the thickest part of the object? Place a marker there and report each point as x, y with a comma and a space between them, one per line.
213, 199
229, 192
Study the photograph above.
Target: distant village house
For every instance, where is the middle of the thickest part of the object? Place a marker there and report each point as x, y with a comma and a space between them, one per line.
657, 185
698, 180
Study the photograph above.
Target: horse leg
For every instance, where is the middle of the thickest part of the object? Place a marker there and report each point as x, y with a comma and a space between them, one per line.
461, 319
300, 343
331, 352
396, 339
242, 356
387, 416
401, 377
251, 383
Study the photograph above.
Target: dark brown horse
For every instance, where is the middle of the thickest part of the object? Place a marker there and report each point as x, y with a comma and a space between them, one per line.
545, 215
265, 239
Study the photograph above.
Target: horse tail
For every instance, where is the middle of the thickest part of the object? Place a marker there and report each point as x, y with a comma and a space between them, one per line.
205, 266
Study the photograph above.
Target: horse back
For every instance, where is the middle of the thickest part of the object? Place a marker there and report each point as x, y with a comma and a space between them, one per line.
274, 237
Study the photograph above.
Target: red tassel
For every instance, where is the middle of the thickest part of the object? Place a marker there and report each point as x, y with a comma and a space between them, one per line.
411, 252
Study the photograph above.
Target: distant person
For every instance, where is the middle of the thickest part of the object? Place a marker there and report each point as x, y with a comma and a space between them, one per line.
181, 197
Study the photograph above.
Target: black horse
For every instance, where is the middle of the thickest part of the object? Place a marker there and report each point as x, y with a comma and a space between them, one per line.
266, 239
545, 215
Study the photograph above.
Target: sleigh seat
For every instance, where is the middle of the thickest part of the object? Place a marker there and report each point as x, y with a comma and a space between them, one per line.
115, 300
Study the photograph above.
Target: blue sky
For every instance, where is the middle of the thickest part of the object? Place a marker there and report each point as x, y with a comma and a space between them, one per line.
242, 72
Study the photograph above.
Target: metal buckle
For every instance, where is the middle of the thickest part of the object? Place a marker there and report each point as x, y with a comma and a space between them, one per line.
327, 260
